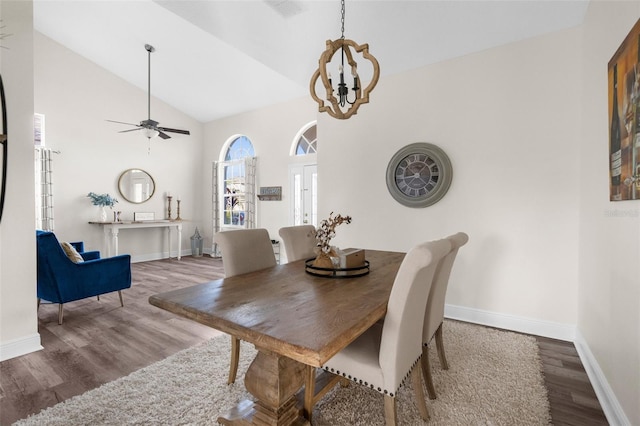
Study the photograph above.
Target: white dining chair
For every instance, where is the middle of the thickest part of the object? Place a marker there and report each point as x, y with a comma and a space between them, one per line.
299, 241
389, 352
243, 251
434, 314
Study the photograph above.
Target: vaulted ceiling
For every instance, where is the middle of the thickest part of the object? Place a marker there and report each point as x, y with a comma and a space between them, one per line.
218, 58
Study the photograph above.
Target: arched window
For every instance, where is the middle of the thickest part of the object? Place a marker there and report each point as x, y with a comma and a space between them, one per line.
240, 147
306, 141
234, 183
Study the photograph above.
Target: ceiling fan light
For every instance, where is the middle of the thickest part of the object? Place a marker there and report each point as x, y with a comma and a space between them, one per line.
151, 133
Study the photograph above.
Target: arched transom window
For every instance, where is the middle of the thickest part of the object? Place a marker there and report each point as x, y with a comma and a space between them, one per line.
241, 147
307, 142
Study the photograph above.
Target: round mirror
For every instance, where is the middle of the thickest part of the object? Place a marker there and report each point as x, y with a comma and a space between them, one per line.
136, 186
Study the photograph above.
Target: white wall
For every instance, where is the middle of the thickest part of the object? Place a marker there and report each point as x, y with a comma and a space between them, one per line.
609, 246
507, 118
77, 97
18, 325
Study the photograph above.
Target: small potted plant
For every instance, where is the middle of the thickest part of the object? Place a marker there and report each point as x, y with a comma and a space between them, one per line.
102, 201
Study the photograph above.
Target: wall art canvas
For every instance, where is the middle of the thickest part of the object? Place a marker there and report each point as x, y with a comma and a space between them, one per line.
624, 119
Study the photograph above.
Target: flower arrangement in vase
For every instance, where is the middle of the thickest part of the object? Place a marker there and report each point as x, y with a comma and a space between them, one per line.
325, 232
102, 200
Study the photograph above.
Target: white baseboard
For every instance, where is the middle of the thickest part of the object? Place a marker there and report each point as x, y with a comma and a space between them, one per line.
610, 405
157, 256
147, 257
18, 347
536, 327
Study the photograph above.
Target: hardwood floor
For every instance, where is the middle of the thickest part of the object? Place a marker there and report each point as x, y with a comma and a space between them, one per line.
101, 341
571, 396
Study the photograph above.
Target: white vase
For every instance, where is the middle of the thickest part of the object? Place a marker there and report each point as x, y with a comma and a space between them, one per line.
102, 213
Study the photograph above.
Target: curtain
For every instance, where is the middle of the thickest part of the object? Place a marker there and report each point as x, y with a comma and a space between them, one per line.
249, 189
44, 189
216, 207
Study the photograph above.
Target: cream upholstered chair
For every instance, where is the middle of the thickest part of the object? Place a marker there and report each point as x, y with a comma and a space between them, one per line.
243, 251
434, 314
299, 241
387, 353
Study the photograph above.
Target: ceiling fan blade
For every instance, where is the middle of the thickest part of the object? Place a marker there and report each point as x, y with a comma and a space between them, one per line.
122, 122
149, 124
130, 130
167, 129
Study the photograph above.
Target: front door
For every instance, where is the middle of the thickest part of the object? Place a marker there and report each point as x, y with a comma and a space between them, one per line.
304, 194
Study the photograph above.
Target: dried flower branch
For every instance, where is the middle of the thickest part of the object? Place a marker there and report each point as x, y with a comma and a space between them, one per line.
327, 230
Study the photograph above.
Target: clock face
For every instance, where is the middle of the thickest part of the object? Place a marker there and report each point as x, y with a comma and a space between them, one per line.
419, 175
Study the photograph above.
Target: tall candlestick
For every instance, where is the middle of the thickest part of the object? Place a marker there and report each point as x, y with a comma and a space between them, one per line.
169, 197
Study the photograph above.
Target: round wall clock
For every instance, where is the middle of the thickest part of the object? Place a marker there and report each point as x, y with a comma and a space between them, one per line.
419, 175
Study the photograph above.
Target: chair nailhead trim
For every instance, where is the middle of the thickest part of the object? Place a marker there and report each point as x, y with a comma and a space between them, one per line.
371, 386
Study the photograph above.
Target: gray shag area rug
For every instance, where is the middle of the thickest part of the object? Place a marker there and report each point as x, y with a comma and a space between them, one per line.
494, 378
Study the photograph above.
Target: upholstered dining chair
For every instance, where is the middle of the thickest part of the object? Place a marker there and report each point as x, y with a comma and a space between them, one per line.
434, 314
299, 241
388, 352
243, 251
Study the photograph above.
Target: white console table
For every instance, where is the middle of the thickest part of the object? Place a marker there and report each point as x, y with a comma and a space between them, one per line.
111, 230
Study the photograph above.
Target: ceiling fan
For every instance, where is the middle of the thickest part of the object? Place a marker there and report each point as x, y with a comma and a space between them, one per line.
150, 127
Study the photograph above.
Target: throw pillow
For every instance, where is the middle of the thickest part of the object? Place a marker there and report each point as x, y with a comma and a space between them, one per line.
71, 252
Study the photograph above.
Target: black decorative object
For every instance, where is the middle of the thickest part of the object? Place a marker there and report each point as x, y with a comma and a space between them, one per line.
358, 271
5, 141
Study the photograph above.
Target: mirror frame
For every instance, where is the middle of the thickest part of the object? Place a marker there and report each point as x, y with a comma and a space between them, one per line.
122, 192
4, 139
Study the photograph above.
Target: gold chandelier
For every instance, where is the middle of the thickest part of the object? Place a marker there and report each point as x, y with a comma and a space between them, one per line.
339, 105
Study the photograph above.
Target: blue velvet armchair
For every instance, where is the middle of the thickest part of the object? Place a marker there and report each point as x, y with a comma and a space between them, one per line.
60, 280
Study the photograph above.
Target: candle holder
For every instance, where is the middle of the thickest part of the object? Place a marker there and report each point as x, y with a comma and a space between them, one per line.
178, 210
169, 197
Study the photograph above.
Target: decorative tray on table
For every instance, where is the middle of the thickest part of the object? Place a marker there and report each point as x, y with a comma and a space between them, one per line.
353, 272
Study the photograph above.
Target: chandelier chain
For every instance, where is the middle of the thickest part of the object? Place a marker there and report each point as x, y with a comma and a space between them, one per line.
342, 20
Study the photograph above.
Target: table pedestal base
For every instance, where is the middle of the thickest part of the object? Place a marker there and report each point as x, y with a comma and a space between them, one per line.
274, 380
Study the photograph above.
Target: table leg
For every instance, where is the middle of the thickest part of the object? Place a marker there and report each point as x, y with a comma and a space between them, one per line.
179, 227
113, 243
274, 380
169, 238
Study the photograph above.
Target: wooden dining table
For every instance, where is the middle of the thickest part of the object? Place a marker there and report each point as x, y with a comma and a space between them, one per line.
293, 318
